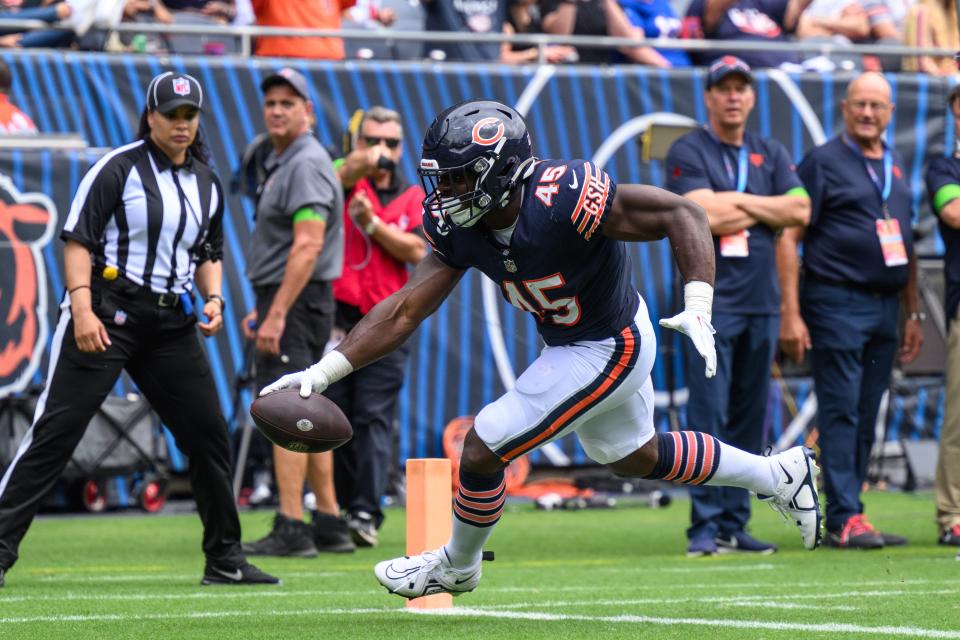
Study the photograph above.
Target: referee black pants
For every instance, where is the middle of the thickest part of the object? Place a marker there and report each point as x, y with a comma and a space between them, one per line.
160, 349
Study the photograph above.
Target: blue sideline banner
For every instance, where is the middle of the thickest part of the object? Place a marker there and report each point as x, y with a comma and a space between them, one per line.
463, 355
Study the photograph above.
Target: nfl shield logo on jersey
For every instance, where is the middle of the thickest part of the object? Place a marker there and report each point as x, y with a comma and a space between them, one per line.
120, 318
181, 86
510, 265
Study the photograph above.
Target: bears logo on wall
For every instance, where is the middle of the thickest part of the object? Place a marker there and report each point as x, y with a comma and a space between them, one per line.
27, 221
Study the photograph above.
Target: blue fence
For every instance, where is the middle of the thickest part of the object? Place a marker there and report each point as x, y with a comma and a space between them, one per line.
572, 112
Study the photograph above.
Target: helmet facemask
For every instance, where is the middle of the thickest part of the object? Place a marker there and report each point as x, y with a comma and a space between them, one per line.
488, 192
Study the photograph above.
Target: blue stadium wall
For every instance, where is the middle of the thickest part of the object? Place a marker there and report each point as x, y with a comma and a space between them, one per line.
573, 110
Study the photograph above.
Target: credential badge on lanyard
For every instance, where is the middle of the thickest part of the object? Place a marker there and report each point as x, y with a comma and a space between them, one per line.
736, 245
888, 229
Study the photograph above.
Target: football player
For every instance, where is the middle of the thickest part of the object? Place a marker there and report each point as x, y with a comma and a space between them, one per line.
551, 233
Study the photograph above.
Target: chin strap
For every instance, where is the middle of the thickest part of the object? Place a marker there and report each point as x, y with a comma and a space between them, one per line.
524, 171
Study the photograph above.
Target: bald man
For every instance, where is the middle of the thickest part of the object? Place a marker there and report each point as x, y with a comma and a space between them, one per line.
858, 269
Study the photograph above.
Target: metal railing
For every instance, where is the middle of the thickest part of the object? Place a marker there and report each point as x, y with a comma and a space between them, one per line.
540, 40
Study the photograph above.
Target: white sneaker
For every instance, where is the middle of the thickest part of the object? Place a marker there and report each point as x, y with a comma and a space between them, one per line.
796, 497
425, 574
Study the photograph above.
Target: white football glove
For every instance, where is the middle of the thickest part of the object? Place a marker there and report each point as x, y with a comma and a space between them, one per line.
314, 379
700, 331
694, 321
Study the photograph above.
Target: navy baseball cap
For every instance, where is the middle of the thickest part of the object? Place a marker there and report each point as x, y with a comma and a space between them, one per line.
293, 79
170, 90
725, 66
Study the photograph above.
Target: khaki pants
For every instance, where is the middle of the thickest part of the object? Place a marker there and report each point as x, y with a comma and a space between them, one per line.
947, 492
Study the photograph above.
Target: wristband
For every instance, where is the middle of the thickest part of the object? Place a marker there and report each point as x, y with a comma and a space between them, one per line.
698, 296
334, 366
77, 288
371, 226
919, 316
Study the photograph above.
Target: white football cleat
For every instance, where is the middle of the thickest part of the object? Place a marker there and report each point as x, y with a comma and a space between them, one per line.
425, 574
796, 498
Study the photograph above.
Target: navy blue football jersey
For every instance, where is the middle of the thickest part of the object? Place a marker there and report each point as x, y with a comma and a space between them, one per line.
558, 266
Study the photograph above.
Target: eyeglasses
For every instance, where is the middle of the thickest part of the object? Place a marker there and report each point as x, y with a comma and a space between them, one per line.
861, 105
372, 141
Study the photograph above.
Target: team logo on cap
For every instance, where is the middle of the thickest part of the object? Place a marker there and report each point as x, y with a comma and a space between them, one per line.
181, 86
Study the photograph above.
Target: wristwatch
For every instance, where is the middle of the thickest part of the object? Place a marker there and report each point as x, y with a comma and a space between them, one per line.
218, 298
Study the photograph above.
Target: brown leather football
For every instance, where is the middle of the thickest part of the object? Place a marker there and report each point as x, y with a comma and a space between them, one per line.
308, 425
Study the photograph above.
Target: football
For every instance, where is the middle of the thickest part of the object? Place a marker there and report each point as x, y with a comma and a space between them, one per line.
308, 425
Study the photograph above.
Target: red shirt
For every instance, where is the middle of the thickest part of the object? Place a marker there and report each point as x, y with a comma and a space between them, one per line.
12, 120
309, 14
370, 273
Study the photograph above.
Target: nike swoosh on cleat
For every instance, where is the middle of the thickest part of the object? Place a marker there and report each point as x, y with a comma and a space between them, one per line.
398, 574
235, 575
787, 473
576, 181
461, 581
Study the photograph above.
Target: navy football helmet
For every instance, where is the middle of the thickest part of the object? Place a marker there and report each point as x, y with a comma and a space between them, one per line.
478, 145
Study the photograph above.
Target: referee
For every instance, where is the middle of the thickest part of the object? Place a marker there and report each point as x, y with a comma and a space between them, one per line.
144, 225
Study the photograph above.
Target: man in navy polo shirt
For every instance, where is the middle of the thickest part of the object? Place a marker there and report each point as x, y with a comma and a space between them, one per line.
750, 190
943, 185
858, 267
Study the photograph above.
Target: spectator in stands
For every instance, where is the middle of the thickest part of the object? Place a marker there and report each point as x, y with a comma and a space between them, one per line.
943, 186
295, 252
932, 23
745, 20
13, 121
843, 21
657, 19
381, 216
306, 14
523, 16
750, 190
482, 16
858, 269
216, 10
74, 16
598, 18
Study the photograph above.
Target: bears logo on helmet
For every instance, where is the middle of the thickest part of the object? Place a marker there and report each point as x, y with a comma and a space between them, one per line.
27, 222
475, 153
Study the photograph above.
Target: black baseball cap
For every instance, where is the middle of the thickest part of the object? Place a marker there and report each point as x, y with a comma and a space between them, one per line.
725, 66
170, 90
293, 79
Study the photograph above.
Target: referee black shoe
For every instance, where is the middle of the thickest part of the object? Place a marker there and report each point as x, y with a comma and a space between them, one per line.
246, 573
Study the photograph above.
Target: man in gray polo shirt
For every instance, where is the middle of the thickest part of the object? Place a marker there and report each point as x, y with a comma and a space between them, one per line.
296, 250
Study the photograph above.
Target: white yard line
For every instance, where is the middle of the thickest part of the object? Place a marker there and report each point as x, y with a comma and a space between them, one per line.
133, 577
744, 600
794, 605
900, 632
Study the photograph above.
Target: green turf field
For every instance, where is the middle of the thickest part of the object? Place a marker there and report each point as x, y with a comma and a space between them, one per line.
617, 573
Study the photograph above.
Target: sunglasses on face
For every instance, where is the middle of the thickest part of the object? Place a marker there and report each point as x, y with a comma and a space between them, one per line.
372, 141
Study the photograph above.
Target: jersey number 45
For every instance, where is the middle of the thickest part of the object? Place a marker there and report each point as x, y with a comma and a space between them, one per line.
564, 311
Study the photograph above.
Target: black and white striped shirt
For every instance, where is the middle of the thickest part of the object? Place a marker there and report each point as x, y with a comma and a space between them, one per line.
152, 221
